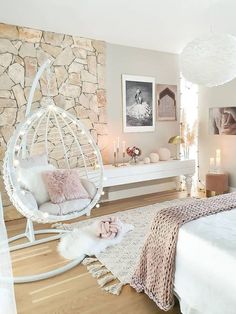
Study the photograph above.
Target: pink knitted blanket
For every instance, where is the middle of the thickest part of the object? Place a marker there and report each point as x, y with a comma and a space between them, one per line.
156, 268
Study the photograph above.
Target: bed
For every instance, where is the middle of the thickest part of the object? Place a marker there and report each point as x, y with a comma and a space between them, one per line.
205, 259
191, 251
205, 276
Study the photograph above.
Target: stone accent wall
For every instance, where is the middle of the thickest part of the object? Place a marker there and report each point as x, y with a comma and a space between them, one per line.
77, 81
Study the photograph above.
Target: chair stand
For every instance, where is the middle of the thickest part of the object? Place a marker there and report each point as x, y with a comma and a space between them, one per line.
30, 234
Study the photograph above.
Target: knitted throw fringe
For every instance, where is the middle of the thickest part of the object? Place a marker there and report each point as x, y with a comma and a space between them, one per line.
104, 276
96, 269
155, 272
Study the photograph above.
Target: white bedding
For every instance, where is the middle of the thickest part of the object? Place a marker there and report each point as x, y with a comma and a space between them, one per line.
205, 277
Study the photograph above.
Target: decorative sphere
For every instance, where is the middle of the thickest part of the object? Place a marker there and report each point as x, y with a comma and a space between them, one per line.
164, 153
209, 60
154, 157
147, 160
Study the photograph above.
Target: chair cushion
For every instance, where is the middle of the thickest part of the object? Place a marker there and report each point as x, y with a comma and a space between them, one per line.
64, 184
26, 198
65, 207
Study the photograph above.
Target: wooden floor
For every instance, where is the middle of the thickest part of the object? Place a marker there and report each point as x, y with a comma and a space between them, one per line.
76, 292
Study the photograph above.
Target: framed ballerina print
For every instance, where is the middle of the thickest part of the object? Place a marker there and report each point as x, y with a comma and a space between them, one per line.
138, 103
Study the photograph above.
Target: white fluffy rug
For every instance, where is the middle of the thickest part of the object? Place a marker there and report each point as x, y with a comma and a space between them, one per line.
119, 261
82, 241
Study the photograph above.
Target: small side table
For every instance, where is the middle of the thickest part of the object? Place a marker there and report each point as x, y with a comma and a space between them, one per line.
217, 182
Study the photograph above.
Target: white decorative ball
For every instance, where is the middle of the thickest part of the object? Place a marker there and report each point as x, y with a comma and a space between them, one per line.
209, 60
164, 153
147, 160
154, 157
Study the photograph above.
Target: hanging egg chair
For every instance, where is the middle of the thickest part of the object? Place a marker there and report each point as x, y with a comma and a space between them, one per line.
61, 140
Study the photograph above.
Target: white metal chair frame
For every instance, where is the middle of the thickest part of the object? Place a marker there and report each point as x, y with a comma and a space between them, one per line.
17, 145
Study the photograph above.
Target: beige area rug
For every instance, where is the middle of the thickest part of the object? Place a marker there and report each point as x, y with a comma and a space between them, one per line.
114, 267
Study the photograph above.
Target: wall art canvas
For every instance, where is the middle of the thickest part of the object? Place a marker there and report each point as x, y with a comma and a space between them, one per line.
166, 102
138, 103
222, 120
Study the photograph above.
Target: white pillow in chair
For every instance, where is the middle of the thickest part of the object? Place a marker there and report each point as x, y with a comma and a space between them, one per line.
33, 161
32, 180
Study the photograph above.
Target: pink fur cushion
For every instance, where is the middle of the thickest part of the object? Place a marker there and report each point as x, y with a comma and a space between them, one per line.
63, 185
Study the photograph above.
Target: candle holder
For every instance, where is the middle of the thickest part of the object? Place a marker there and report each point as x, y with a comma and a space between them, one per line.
123, 160
115, 159
116, 152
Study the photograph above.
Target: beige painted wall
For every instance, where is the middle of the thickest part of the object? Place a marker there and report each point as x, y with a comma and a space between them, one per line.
134, 61
222, 96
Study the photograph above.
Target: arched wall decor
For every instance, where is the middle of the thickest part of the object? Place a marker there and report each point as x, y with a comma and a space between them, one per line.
166, 102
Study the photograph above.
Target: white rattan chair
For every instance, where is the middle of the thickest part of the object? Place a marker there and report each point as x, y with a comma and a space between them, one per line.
67, 144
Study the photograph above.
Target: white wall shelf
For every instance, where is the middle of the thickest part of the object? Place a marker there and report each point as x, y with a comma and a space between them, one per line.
115, 176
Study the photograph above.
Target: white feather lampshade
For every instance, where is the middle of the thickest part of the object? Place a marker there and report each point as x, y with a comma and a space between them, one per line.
209, 60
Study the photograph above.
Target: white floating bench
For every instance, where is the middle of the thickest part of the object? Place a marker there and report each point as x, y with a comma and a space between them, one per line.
117, 176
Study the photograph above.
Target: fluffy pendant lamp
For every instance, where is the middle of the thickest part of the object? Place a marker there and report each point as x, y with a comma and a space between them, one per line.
209, 60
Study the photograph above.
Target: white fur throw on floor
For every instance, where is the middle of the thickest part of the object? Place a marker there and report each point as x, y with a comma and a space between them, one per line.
85, 241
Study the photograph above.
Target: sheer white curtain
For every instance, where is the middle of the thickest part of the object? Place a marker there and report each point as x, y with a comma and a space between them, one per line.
7, 295
189, 123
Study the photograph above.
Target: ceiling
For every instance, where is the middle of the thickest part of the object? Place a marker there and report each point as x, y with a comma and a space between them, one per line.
164, 25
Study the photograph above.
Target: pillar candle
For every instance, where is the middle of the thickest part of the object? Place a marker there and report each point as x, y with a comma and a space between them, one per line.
212, 164
118, 142
218, 153
218, 160
123, 146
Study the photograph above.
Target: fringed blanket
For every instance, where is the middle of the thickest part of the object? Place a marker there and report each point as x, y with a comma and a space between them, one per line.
156, 268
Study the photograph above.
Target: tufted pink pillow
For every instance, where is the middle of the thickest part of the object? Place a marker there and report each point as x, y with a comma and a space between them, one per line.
63, 185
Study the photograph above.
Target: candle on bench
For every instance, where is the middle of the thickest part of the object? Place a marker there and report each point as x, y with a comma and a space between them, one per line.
218, 160
212, 164
123, 147
118, 143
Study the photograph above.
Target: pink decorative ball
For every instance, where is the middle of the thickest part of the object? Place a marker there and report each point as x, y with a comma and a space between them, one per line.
164, 153
154, 157
147, 160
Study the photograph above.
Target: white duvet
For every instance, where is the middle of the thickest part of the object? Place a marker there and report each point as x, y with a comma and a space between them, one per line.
205, 277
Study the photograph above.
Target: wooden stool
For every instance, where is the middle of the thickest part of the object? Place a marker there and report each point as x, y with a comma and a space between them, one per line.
217, 182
